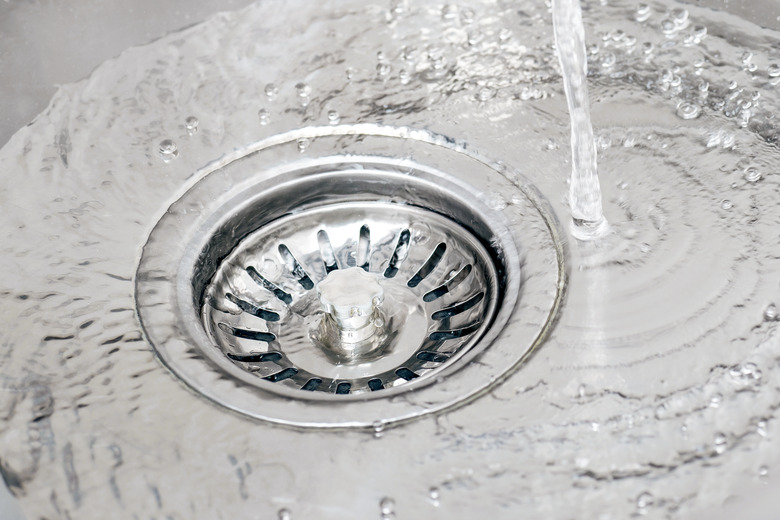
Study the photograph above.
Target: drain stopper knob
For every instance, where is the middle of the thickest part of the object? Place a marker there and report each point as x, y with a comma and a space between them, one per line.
350, 297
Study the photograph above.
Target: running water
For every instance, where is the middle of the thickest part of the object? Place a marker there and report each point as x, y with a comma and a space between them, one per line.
584, 191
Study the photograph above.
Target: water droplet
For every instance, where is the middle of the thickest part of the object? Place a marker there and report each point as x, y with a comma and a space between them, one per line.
168, 150
752, 174
504, 35
643, 501
449, 12
643, 12
726, 204
668, 27
378, 426
773, 70
404, 76
191, 124
660, 411
761, 428
608, 60
264, 116
387, 506
680, 17
350, 72
747, 57
720, 442
770, 313
688, 111
763, 472
333, 117
647, 47
284, 514
496, 202
699, 33
383, 68
271, 91
715, 400
467, 16
303, 144
485, 93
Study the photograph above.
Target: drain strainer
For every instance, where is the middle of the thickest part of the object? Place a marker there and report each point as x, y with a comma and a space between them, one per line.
348, 289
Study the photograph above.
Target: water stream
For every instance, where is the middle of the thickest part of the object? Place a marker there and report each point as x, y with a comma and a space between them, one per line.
656, 392
584, 191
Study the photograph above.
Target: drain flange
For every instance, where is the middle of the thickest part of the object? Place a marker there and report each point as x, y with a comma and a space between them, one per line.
311, 290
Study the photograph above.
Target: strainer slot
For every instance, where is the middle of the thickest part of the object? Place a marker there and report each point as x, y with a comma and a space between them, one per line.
269, 286
343, 388
312, 384
252, 309
432, 357
364, 248
287, 373
448, 285
375, 384
253, 335
429, 265
295, 268
326, 251
399, 254
443, 335
458, 308
405, 373
255, 357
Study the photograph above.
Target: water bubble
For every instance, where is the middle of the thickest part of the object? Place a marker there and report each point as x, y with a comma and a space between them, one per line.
747, 57
303, 144
733, 85
773, 70
333, 117
660, 411
284, 514
643, 501
504, 35
168, 150
752, 174
467, 16
264, 116
474, 37
191, 124
699, 33
688, 111
485, 93
271, 90
770, 313
409, 53
647, 47
719, 443
643, 12
726, 204
350, 72
404, 76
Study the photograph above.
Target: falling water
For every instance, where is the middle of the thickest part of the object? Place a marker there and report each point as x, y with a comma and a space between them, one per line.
584, 191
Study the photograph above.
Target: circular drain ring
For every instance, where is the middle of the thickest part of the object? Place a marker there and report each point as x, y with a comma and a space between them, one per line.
182, 254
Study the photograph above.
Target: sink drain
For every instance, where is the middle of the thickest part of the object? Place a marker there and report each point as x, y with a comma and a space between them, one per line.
312, 289
400, 293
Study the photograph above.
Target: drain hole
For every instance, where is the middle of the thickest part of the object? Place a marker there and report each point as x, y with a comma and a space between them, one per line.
441, 335
428, 266
448, 312
255, 357
433, 357
343, 388
449, 285
399, 254
312, 384
364, 247
295, 268
375, 384
405, 373
253, 309
326, 251
260, 280
287, 373
247, 334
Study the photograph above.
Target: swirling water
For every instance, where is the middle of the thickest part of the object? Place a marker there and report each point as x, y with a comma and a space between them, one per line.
654, 395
